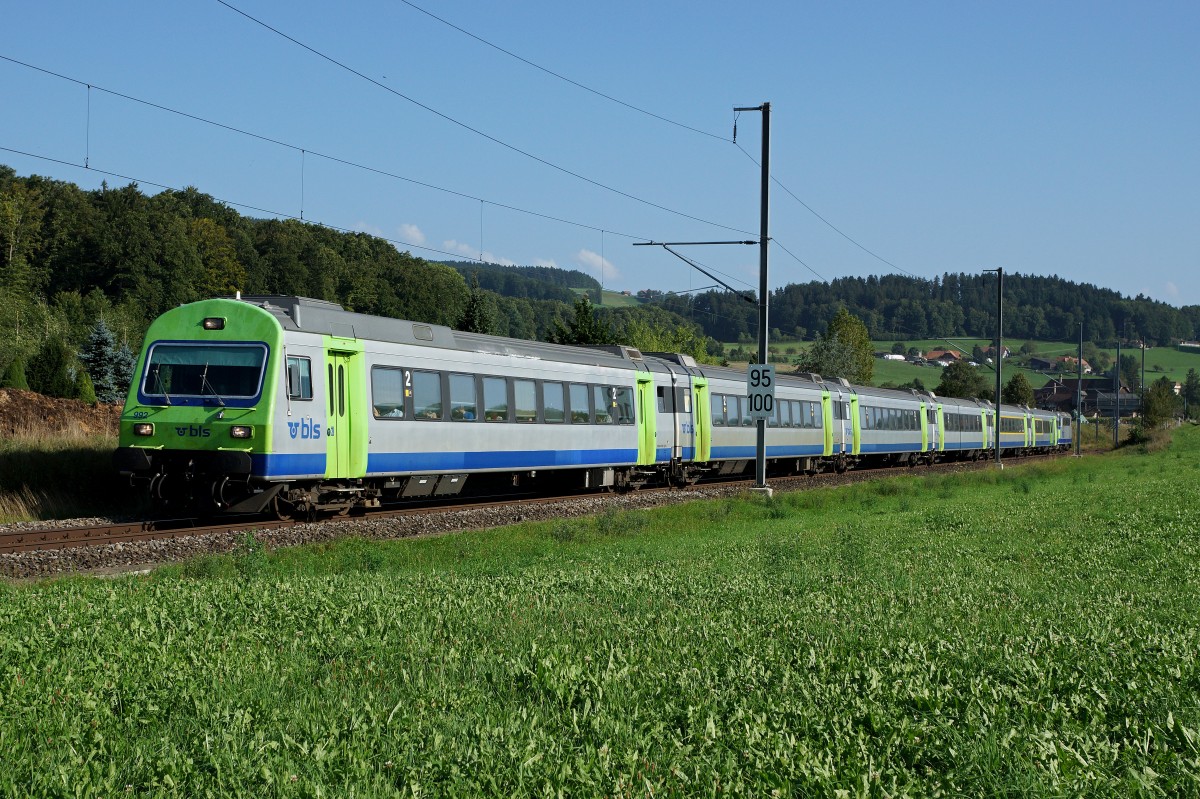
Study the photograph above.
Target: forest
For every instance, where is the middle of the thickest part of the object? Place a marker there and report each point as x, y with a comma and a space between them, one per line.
953, 305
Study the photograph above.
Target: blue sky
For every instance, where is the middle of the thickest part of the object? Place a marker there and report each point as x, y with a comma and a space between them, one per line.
1045, 138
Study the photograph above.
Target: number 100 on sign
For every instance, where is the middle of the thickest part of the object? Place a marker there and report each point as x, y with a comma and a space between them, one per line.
760, 390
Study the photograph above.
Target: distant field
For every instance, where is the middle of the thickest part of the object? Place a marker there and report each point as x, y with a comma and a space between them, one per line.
612, 299
1026, 632
1175, 364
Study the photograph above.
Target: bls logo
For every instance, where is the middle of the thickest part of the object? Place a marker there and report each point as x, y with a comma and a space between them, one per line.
305, 428
192, 431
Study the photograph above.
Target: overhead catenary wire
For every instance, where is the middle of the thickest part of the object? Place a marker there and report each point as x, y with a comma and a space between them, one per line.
477, 131
829, 224
562, 77
317, 154
661, 118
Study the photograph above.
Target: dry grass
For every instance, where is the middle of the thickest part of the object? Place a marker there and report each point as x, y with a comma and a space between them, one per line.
46, 474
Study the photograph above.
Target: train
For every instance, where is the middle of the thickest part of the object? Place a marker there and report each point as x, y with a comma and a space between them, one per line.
296, 406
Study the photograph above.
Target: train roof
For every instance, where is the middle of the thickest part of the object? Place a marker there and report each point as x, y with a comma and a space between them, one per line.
328, 318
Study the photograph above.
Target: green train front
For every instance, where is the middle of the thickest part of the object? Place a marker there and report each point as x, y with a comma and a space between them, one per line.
196, 431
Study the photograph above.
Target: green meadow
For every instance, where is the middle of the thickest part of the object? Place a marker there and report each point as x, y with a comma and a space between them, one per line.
1027, 632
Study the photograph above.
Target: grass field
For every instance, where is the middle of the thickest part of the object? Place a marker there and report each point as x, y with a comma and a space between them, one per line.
1030, 632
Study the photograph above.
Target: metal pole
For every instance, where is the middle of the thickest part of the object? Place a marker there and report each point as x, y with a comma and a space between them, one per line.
1142, 386
1117, 394
760, 450
999, 353
1079, 397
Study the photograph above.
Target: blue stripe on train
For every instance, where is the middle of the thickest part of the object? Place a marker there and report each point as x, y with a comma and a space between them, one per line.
907, 446
781, 451
287, 465
400, 462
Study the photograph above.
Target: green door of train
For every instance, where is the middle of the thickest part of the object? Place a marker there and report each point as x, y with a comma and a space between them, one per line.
339, 431
647, 421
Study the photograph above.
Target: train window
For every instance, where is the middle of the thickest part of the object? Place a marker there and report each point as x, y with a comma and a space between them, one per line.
687, 401
329, 382
387, 392
818, 417
464, 400
744, 412
341, 390
580, 412
662, 399
716, 404
773, 419
495, 399
624, 406
216, 371
525, 400
554, 403
603, 404
299, 374
427, 395
785, 413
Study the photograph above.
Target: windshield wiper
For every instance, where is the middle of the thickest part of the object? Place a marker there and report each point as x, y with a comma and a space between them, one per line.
161, 387
204, 382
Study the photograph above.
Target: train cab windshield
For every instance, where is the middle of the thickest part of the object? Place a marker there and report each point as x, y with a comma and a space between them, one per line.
204, 372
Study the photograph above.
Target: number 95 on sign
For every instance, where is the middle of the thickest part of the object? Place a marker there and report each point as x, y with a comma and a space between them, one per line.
760, 390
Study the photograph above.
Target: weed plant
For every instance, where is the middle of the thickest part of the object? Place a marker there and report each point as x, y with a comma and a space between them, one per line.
1029, 632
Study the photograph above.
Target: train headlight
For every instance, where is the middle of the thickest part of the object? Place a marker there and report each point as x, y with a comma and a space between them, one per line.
241, 431
143, 429
214, 323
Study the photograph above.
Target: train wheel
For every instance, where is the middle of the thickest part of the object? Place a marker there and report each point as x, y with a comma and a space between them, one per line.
284, 511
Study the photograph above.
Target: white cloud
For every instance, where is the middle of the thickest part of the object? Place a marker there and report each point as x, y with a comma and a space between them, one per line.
463, 248
363, 227
1172, 289
550, 262
593, 262
411, 234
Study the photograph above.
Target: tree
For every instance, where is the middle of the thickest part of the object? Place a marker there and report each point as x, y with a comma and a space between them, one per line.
1161, 403
850, 330
1131, 372
124, 361
53, 371
83, 388
14, 375
477, 315
98, 359
898, 348
1018, 391
960, 379
1191, 392
586, 329
830, 357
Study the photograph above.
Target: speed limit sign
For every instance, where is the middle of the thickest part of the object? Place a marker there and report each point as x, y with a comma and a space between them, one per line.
760, 390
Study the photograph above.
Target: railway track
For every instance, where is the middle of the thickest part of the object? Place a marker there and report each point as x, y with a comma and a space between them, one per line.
15, 541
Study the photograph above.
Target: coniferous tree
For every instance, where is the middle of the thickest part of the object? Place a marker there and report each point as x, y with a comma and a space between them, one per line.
53, 371
586, 329
123, 363
84, 390
14, 375
477, 316
97, 357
